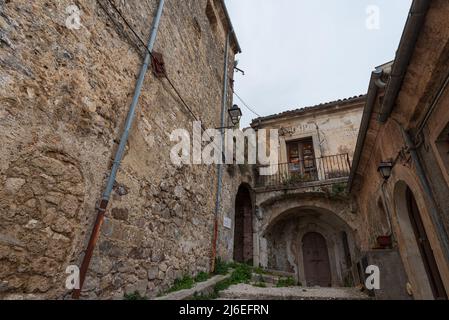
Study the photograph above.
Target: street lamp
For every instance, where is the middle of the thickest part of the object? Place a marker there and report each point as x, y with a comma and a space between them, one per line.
235, 114
385, 169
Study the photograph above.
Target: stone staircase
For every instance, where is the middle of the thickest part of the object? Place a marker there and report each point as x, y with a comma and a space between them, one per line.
270, 277
250, 292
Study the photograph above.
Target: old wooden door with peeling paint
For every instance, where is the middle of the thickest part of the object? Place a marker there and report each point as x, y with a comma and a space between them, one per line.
316, 260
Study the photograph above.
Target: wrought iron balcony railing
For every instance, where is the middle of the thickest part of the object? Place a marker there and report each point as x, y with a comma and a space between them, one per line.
305, 171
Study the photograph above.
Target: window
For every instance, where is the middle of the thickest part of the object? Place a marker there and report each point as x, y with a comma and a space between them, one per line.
301, 154
301, 160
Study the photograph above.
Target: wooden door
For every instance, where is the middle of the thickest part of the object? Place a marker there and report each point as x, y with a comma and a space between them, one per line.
425, 249
301, 158
239, 234
316, 260
243, 227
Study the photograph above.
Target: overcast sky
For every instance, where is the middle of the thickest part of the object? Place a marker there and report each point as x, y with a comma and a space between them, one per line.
299, 53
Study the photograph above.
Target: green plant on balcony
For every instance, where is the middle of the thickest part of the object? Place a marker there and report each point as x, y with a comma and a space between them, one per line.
335, 174
294, 179
339, 190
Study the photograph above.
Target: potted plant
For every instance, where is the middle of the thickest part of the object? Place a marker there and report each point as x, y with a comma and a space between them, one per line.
384, 241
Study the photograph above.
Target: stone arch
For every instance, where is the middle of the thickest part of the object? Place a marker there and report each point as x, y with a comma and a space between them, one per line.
274, 208
44, 193
281, 241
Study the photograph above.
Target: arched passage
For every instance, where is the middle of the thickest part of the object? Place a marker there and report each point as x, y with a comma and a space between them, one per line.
302, 239
243, 226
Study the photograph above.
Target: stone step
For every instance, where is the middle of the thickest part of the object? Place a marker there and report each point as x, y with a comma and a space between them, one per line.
203, 288
266, 278
248, 292
271, 277
278, 273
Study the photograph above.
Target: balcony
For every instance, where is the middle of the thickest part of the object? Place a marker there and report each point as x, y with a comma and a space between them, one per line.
324, 170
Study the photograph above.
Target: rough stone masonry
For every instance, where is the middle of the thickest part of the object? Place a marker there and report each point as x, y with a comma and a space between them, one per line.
64, 96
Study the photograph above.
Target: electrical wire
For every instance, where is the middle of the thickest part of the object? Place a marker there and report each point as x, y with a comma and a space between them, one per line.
245, 104
151, 54
165, 75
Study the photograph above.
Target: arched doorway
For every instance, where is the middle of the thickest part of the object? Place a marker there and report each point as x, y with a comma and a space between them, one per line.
243, 226
424, 247
281, 244
316, 260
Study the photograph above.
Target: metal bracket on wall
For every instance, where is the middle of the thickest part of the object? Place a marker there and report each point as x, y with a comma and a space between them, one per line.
158, 65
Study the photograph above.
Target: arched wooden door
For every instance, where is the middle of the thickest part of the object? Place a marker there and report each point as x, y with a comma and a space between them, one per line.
425, 249
316, 260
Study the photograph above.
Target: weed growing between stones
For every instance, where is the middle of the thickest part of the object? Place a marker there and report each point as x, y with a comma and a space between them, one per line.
240, 274
260, 284
259, 270
135, 296
185, 282
221, 267
202, 276
286, 282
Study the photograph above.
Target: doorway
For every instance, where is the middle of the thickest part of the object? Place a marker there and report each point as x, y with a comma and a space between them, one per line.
301, 159
316, 260
243, 227
425, 249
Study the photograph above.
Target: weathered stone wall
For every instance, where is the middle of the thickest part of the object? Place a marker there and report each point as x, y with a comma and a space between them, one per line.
333, 128
64, 96
426, 73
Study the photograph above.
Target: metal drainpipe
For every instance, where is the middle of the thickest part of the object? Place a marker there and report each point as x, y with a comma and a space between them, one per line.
119, 154
374, 86
441, 232
220, 166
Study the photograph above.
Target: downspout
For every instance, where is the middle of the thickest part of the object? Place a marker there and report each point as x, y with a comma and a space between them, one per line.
404, 55
375, 83
119, 154
220, 164
435, 217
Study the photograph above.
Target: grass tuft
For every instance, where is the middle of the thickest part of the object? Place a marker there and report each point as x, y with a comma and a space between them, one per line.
135, 296
260, 284
286, 282
221, 267
186, 282
202, 276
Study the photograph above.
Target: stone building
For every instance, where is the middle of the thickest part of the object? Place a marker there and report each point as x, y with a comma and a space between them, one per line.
66, 86
305, 225
400, 174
